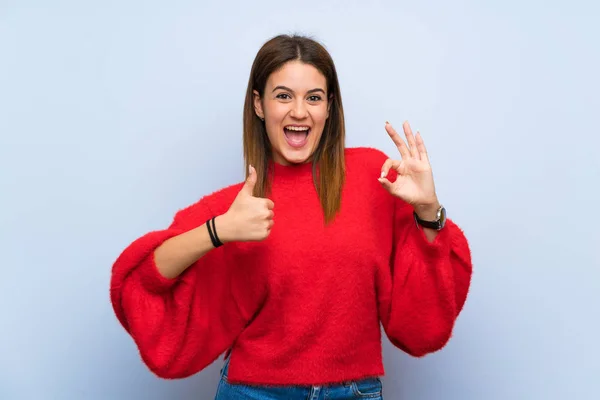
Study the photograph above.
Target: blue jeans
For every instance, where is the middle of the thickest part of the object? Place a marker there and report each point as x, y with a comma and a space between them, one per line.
369, 388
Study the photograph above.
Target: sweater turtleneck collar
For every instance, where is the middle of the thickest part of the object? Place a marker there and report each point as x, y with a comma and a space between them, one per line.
291, 171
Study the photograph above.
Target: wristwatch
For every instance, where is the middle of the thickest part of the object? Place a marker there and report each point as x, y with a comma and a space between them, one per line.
438, 224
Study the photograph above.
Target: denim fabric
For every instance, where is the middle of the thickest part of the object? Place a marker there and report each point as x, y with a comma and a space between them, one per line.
369, 388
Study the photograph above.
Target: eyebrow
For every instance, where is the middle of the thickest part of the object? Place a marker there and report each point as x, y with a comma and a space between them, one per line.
290, 90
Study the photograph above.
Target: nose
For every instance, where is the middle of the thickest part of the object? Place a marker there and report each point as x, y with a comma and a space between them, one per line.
299, 110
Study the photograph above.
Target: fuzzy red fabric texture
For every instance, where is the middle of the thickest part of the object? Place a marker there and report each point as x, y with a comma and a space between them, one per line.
306, 305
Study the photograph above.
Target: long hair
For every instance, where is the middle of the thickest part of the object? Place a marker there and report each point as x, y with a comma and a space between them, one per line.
328, 166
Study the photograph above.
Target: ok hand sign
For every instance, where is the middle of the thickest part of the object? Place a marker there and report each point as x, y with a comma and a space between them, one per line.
414, 183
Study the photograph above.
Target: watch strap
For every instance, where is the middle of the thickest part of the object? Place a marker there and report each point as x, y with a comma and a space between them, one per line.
437, 224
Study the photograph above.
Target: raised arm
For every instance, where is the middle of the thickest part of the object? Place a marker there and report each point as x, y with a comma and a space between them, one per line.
183, 301
426, 285
182, 324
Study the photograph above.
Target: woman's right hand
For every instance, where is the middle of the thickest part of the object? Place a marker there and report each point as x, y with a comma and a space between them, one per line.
249, 218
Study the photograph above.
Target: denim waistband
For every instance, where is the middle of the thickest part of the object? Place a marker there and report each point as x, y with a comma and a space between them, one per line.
225, 369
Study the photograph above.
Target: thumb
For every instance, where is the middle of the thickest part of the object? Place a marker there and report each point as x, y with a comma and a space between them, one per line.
386, 184
250, 181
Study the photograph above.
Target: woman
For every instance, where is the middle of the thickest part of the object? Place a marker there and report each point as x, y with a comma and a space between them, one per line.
292, 272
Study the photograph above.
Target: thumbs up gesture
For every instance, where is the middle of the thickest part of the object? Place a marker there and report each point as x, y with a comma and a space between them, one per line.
249, 218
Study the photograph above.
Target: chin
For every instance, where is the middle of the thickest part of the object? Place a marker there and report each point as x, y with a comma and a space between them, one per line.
291, 158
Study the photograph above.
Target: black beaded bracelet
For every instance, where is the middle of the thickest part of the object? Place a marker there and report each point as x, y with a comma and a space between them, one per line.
212, 231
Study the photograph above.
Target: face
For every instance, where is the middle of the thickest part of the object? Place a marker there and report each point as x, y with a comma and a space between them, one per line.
295, 108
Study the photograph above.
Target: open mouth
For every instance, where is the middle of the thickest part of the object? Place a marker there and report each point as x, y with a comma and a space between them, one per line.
296, 136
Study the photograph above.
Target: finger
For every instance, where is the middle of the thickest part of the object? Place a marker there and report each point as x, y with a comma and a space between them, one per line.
387, 165
404, 152
269, 203
271, 223
250, 181
412, 144
386, 184
421, 147
270, 214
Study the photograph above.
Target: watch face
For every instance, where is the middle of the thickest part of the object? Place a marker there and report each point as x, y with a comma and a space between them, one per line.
442, 216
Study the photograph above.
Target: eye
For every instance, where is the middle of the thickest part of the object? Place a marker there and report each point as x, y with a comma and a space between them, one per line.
283, 96
314, 98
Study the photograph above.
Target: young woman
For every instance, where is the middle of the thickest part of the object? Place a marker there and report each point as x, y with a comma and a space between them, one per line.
291, 272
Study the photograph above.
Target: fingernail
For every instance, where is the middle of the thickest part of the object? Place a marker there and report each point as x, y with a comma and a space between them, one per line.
387, 123
382, 174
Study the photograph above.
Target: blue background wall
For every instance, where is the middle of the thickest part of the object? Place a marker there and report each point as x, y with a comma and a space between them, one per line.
114, 115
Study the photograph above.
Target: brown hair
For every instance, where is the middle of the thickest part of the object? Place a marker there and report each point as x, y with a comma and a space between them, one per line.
329, 154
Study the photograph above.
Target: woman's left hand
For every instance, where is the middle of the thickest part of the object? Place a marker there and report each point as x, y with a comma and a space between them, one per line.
414, 183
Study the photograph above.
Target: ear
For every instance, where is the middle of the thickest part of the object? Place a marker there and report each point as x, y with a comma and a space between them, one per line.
258, 105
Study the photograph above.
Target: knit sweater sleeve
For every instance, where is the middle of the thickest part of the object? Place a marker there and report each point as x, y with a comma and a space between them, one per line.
426, 286
179, 325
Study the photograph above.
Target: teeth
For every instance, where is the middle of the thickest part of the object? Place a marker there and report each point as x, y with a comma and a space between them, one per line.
296, 128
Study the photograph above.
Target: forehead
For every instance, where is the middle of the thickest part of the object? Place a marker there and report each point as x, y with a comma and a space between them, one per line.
298, 76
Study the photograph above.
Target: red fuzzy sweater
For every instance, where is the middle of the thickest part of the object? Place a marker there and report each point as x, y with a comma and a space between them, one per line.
305, 305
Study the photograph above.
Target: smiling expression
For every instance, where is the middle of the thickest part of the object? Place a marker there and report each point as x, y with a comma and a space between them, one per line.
295, 108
